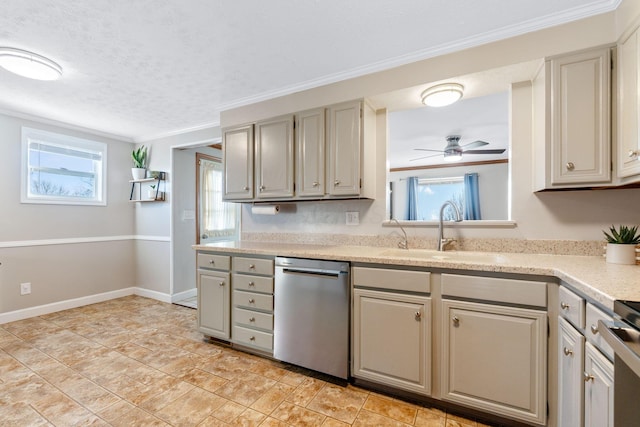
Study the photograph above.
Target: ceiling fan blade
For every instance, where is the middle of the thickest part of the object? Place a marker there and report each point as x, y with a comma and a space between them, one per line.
496, 151
474, 144
426, 149
426, 157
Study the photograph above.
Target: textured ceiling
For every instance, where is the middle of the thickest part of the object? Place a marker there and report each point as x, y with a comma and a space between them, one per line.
143, 68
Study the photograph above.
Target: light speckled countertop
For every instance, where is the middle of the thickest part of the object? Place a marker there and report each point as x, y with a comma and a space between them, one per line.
590, 275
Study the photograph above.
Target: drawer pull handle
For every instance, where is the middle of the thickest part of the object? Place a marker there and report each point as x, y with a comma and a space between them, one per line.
564, 306
212, 262
588, 377
251, 301
221, 284
251, 284
567, 352
570, 166
418, 316
252, 266
252, 319
455, 320
252, 338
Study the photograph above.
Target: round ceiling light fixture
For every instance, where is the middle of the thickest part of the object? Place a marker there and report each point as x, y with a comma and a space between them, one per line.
442, 95
29, 64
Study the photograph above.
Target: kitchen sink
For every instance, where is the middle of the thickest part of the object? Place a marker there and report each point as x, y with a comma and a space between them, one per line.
461, 256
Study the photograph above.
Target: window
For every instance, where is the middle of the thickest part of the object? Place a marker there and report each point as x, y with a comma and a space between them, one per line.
219, 219
60, 169
433, 192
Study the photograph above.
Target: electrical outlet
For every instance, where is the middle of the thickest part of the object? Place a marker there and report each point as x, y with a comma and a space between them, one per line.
353, 218
25, 288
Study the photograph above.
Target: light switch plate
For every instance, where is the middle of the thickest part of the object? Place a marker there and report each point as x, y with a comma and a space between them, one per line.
188, 215
353, 218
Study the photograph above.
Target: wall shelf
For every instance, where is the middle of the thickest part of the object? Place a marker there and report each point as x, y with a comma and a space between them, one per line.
158, 178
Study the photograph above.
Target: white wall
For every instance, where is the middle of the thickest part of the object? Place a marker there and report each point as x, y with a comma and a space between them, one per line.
64, 251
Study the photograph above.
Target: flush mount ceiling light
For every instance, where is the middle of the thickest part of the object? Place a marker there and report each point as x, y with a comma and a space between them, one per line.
442, 95
29, 64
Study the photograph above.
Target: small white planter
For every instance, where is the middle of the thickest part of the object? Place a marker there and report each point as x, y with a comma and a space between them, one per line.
138, 173
621, 254
151, 193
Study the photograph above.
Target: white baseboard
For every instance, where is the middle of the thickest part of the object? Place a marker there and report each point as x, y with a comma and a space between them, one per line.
184, 295
25, 313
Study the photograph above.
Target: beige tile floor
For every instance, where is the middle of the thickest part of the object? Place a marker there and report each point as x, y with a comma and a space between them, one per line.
134, 361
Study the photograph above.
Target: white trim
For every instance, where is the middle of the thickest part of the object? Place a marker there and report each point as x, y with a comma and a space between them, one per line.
51, 122
209, 125
76, 240
26, 313
184, 295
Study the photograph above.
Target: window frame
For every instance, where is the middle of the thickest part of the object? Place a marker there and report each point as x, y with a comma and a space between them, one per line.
56, 139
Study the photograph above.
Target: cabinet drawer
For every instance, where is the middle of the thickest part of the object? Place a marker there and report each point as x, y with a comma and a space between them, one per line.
253, 265
253, 300
399, 280
571, 307
253, 319
524, 292
253, 338
217, 262
591, 332
253, 283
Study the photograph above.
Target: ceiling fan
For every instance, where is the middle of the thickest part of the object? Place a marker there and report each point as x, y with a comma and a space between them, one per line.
453, 151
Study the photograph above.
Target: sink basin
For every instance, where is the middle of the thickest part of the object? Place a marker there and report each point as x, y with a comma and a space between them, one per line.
460, 256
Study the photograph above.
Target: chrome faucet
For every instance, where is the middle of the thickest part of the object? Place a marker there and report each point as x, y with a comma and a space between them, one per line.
403, 244
442, 242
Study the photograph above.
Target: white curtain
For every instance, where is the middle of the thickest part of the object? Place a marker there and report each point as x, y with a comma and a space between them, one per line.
219, 217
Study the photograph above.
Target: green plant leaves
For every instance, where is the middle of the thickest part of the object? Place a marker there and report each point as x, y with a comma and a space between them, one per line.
139, 157
623, 236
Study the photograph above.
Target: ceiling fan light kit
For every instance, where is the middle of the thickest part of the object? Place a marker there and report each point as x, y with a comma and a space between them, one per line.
29, 64
442, 95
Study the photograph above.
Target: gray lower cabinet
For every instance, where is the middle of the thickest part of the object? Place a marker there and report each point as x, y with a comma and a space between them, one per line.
214, 291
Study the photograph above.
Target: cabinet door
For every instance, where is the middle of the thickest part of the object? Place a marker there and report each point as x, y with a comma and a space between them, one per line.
392, 339
570, 370
310, 143
214, 304
628, 111
580, 117
494, 359
344, 124
274, 158
238, 162
598, 389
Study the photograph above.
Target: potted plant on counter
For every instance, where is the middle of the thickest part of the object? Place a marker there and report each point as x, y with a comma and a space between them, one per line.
139, 169
621, 244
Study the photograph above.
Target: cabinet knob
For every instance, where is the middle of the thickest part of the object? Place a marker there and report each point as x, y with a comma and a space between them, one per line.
594, 329
564, 305
252, 319
212, 262
570, 166
246, 188
633, 153
455, 320
251, 284
221, 284
588, 377
336, 183
252, 266
251, 301
418, 315
262, 188
252, 339
567, 352
315, 183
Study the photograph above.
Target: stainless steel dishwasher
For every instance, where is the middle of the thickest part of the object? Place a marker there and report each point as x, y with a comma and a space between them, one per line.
311, 315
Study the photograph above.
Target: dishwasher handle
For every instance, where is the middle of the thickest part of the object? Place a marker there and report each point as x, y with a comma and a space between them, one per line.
312, 271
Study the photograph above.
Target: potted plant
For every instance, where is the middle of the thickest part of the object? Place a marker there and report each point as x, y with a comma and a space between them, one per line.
621, 244
152, 192
139, 168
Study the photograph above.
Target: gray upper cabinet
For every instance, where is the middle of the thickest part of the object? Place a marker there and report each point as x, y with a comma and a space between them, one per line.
274, 158
344, 125
238, 162
628, 164
310, 153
